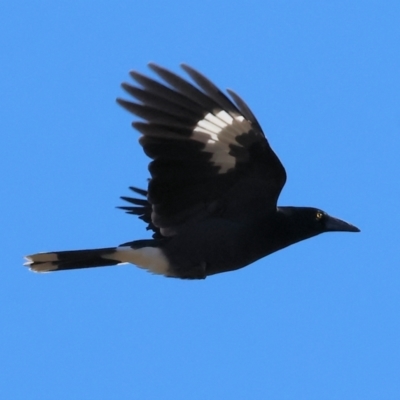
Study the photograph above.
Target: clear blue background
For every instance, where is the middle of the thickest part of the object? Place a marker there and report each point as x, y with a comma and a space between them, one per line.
319, 320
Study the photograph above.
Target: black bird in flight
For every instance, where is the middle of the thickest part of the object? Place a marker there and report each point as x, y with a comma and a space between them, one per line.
211, 201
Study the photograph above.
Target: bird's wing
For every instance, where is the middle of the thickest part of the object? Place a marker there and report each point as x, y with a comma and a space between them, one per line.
142, 208
209, 153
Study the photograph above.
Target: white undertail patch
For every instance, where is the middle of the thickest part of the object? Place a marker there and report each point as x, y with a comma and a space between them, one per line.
218, 131
150, 258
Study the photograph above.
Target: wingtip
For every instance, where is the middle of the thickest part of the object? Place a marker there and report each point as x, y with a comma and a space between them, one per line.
135, 75
186, 67
154, 66
120, 101
126, 86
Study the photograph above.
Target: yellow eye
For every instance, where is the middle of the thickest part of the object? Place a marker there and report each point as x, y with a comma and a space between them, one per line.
319, 215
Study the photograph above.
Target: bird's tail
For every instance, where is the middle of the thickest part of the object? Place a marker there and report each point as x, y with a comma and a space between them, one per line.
143, 253
74, 259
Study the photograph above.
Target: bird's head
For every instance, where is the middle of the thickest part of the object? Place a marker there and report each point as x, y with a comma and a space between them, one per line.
305, 222
326, 223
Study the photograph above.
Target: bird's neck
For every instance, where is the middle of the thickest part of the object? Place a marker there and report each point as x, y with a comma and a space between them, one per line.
294, 223
285, 228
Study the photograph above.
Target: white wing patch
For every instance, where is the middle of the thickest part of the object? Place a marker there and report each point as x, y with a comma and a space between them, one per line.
217, 132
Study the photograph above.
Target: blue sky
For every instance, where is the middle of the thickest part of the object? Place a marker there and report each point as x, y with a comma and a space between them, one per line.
319, 320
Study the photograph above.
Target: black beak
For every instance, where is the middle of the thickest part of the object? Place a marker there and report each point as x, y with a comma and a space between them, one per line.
337, 225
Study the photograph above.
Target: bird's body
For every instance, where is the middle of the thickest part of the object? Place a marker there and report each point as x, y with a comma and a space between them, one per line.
212, 197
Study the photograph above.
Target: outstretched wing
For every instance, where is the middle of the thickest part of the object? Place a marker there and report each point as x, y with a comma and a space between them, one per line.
209, 154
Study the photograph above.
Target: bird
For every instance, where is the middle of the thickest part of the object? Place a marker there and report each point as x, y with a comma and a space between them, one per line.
211, 200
